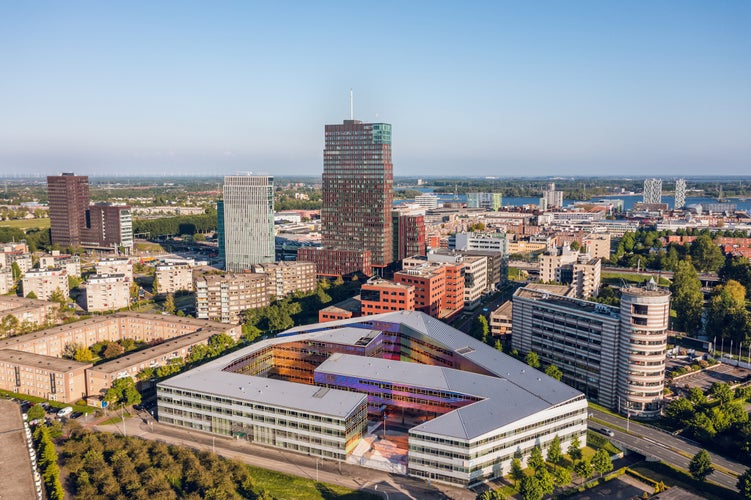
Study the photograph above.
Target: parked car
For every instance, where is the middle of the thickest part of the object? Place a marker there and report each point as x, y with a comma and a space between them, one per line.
65, 412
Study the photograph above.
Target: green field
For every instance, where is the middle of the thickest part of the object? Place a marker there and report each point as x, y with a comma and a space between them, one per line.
615, 278
280, 485
26, 224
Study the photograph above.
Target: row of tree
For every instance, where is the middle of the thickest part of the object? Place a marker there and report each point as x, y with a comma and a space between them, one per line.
175, 226
47, 460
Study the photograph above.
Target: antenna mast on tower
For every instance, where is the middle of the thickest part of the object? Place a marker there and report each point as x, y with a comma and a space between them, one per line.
351, 106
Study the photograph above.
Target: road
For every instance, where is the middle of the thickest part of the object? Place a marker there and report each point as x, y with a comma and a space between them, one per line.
464, 322
383, 484
673, 450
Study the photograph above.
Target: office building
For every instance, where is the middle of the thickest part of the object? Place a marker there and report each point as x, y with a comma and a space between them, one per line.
358, 195
220, 231
224, 297
616, 356
439, 286
409, 234
312, 389
248, 219
475, 271
68, 197
552, 198
76, 223
496, 242
379, 296
488, 201
105, 292
428, 201
652, 191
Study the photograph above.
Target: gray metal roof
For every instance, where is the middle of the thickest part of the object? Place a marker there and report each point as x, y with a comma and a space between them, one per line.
511, 390
260, 390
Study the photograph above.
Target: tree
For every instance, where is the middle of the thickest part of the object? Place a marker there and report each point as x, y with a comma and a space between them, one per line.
113, 350
561, 476
583, 469
696, 396
498, 345
123, 392
57, 296
554, 371
547, 482
35, 412
481, 329
701, 465
532, 359
31, 294
517, 473
73, 282
9, 324
679, 410
169, 304
220, 342
536, 461
744, 484
728, 316
555, 455
15, 270
722, 392
706, 254
688, 299
323, 297
574, 449
134, 289
83, 354
531, 489
601, 462
155, 286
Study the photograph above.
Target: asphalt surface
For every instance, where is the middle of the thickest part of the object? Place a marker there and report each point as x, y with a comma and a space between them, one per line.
674, 450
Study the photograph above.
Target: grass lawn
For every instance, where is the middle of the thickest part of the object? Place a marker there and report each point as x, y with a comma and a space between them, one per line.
149, 247
54, 404
26, 224
597, 441
658, 471
281, 485
615, 278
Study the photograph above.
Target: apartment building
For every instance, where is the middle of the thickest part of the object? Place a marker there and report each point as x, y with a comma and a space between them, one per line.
224, 297
105, 292
115, 265
34, 311
44, 282
286, 278
173, 278
616, 356
500, 321
379, 295
56, 379
6, 280
598, 245
70, 263
556, 266
586, 276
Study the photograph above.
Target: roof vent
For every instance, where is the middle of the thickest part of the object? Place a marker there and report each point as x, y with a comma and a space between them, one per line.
465, 350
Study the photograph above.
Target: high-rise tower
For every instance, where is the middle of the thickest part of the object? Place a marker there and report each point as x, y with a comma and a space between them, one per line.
680, 193
248, 216
652, 191
68, 196
358, 193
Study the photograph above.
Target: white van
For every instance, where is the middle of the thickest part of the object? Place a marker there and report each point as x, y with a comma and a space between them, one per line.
65, 411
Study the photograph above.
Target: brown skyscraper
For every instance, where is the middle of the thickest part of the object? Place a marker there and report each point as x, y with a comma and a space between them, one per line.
358, 193
68, 196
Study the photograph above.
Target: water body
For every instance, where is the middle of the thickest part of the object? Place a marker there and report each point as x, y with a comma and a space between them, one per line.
628, 200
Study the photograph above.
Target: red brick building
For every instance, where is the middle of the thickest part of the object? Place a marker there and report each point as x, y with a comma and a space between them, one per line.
378, 296
439, 288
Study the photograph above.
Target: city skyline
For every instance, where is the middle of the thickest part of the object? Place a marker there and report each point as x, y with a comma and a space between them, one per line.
487, 89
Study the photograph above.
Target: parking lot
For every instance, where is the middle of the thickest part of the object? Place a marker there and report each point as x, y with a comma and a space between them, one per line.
718, 373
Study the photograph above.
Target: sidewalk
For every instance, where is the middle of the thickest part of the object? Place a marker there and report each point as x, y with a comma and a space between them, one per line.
392, 486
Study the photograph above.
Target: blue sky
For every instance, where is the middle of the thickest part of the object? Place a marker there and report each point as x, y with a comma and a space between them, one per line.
472, 88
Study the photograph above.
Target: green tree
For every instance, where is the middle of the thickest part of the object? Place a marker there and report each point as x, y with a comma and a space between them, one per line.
532, 359
696, 396
35, 412
701, 465
546, 480
554, 371
123, 392
498, 345
679, 410
706, 254
722, 392
9, 324
561, 476
73, 282
583, 469
555, 455
169, 304
517, 472
57, 296
536, 460
155, 289
15, 270
744, 484
133, 290
113, 350
219, 343
530, 488
601, 462
31, 295
728, 316
574, 448
688, 299
323, 297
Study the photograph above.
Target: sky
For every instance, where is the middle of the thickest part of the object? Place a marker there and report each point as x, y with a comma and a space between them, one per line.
472, 88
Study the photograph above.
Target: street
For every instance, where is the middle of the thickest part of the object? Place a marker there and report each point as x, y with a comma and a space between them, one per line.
673, 450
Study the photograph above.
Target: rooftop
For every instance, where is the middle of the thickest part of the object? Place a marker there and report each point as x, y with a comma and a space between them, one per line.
41, 361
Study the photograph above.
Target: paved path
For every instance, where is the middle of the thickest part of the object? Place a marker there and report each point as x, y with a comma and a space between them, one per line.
16, 480
392, 486
674, 450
